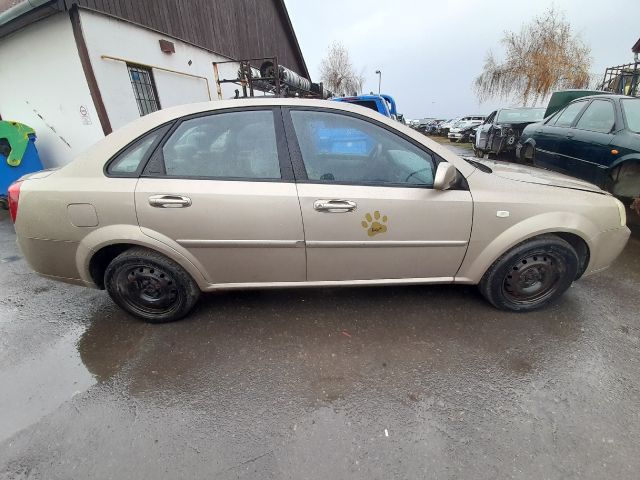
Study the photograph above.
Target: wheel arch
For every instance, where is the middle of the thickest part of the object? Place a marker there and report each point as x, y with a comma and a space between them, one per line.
576, 230
633, 157
101, 246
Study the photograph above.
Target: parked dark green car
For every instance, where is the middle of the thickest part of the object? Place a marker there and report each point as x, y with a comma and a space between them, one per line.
596, 138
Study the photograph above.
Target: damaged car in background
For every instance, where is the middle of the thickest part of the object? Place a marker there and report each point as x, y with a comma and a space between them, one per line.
501, 130
461, 131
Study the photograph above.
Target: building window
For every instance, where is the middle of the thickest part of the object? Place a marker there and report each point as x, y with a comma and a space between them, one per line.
144, 89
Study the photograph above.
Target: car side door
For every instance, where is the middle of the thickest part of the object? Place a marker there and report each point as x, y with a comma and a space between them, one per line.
368, 206
589, 153
552, 135
221, 187
483, 132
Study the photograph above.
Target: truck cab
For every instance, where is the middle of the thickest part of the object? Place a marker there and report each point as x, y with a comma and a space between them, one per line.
384, 104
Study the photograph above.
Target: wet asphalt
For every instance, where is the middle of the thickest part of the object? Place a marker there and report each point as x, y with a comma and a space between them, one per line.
371, 383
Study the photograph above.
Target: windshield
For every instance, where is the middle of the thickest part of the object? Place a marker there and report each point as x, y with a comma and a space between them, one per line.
518, 115
632, 114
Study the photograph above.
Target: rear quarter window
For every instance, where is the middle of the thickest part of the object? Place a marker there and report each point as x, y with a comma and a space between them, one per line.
128, 162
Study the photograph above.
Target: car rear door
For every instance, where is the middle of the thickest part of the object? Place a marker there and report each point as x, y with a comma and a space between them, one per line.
221, 186
367, 201
551, 137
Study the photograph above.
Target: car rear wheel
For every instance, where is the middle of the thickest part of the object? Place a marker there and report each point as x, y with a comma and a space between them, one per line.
531, 275
150, 286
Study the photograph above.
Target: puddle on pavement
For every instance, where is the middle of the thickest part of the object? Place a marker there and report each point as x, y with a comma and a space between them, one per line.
40, 384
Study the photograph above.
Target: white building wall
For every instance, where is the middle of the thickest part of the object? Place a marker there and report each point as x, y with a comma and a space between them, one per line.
107, 36
42, 84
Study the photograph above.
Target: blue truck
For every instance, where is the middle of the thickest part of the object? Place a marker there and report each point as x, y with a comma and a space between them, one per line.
384, 104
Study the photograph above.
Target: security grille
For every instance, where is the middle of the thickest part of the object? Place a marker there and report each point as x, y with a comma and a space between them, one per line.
144, 89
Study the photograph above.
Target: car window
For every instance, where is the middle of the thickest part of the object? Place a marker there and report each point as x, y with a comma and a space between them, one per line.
129, 160
341, 148
598, 117
224, 145
566, 118
632, 114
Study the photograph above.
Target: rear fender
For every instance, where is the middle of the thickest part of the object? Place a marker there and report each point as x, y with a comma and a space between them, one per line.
132, 234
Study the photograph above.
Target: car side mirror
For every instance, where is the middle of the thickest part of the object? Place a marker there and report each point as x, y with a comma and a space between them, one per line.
446, 176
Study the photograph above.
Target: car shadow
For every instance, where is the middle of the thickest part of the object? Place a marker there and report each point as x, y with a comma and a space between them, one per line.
325, 344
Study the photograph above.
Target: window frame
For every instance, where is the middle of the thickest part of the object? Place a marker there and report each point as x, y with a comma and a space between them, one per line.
300, 170
156, 159
167, 126
558, 114
623, 112
615, 117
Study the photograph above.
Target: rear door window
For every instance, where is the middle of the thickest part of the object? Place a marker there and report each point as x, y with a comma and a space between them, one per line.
598, 117
234, 145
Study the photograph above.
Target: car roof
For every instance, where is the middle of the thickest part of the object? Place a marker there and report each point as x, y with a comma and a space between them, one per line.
105, 148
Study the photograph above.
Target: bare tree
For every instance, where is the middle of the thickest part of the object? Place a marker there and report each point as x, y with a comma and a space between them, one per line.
338, 73
544, 56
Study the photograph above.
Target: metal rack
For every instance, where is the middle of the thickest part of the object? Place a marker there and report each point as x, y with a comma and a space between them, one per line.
274, 79
623, 79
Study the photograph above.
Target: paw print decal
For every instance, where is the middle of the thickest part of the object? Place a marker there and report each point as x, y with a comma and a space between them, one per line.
375, 224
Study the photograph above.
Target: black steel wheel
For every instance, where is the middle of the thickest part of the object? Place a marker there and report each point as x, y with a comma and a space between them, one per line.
150, 286
531, 274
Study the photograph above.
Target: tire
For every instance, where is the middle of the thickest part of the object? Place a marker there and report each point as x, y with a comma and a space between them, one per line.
531, 274
623, 181
528, 154
150, 286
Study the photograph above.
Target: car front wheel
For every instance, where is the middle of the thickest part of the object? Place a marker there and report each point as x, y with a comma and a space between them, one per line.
150, 286
531, 274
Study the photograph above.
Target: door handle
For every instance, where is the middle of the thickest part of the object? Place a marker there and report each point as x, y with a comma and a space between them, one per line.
169, 201
335, 206
570, 135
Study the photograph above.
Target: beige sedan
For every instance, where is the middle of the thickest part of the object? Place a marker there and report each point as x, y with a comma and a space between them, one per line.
272, 193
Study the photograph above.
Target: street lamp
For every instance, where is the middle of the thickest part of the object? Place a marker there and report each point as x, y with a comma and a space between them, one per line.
379, 73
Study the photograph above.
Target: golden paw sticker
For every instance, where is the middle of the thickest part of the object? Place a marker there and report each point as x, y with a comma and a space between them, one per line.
375, 224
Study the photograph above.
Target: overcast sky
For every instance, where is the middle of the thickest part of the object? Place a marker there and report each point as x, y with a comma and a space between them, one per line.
430, 51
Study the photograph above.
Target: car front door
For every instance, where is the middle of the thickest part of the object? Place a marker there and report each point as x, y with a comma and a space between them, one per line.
367, 202
588, 154
554, 134
221, 186
482, 134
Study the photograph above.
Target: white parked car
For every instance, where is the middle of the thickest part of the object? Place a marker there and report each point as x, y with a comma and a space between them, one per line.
461, 130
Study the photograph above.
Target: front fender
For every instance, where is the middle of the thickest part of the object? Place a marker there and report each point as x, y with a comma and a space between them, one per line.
132, 234
480, 255
630, 157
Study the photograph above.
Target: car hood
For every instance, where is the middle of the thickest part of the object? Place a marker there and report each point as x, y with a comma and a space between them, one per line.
521, 173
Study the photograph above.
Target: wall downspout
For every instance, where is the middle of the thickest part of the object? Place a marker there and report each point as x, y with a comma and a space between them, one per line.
92, 83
